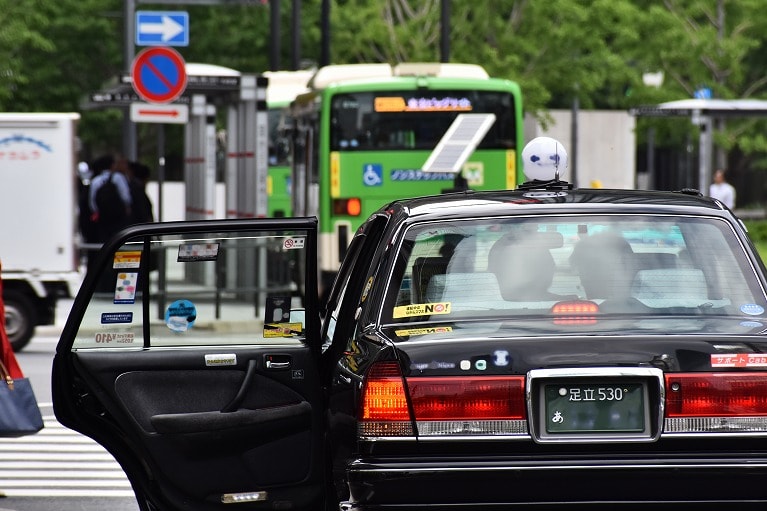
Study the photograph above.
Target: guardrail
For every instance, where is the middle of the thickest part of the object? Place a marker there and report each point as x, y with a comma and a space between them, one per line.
751, 214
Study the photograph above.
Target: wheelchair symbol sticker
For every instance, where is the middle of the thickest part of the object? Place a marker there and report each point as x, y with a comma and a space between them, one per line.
372, 174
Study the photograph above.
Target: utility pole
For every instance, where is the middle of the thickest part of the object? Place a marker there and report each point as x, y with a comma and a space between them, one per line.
296, 24
274, 46
325, 30
445, 31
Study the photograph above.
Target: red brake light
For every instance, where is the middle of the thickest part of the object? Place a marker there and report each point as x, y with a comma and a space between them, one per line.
468, 398
575, 312
716, 395
447, 405
575, 307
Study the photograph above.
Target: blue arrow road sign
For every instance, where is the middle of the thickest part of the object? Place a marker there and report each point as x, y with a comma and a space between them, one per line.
162, 28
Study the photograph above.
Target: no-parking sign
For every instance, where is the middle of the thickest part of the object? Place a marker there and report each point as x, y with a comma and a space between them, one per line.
159, 74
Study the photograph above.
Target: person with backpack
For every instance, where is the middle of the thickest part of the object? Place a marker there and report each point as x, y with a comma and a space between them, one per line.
141, 205
110, 198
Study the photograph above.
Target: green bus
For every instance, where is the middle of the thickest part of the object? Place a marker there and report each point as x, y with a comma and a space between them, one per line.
363, 132
283, 87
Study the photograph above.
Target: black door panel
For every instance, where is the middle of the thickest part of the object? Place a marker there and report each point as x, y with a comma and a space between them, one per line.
179, 413
201, 398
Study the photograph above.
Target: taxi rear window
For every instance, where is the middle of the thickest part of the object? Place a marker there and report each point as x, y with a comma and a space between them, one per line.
630, 264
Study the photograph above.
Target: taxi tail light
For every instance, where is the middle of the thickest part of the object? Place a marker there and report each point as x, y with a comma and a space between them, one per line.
716, 402
468, 398
351, 206
384, 409
442, 406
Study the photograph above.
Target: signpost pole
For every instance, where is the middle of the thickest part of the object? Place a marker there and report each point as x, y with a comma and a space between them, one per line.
129, 128
160, 169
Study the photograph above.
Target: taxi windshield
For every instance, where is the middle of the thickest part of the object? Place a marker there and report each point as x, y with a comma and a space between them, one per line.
572, 265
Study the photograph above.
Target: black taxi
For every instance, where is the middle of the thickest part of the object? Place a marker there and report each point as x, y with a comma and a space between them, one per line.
544, 347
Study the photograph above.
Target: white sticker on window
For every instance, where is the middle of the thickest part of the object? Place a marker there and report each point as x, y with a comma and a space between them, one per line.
293, 243
197, 252
125, 287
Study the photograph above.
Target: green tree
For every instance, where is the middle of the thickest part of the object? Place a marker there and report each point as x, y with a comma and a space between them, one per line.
57, 52
554, 49
21, 29
716, 45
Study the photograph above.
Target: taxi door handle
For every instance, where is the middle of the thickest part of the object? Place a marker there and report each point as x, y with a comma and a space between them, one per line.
277, 362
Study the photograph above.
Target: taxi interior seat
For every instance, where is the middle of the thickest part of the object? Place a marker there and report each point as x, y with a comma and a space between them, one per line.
465, 289
524, 265
424, 268
605, 263
654, 260
670, 287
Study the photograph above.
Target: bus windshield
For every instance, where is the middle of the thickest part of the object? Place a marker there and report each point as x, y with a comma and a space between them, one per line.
415, 119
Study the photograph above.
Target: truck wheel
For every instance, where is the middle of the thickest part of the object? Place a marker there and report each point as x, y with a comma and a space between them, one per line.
19, 319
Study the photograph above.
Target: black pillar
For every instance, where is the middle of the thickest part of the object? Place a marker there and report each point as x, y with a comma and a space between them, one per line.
274, 47
445, 32
325, 28
296, 23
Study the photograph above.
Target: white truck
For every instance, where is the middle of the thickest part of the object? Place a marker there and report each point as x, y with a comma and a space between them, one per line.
39, 250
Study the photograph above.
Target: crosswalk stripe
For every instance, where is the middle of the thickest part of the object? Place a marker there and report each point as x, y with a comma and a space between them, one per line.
7, 475
55, 492
59, 462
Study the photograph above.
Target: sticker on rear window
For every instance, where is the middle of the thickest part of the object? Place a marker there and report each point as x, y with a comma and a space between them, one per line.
752, 309
424, 331
127, 259
282, 329
421, 309
192, 252
125, 288
181, 315
739, 360
116, 317
114, 338
293, 243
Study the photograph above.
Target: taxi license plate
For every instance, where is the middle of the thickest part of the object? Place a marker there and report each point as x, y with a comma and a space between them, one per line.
595, 407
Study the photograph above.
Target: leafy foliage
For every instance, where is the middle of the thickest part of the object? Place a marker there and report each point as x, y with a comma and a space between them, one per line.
56, 52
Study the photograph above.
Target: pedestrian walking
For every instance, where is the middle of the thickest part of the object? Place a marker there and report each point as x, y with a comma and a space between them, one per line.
141, 205
722, 190
110, 198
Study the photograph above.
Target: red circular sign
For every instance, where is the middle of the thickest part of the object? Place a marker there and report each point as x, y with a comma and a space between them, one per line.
159, 74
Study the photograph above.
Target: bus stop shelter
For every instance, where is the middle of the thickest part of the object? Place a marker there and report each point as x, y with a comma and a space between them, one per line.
702, 113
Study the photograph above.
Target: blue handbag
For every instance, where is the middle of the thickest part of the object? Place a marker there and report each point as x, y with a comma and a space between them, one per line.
19, 412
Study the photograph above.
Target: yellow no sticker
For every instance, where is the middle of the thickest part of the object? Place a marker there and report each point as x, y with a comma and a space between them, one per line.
282, 329
421, 309
424, 331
